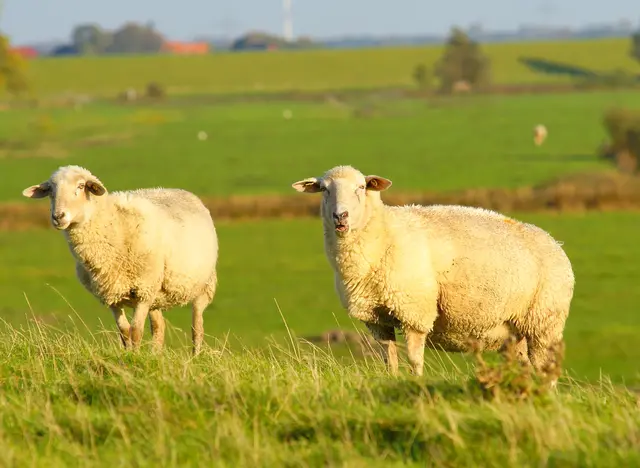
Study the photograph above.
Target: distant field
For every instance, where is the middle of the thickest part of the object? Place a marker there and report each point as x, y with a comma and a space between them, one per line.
307, 70
284, 260
421, 145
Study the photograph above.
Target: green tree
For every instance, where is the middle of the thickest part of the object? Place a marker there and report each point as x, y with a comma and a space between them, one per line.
422, 76
13, 69
133, 38
635, 46
462, 61
90, 39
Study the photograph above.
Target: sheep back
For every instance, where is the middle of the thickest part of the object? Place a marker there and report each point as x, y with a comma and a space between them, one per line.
493, 270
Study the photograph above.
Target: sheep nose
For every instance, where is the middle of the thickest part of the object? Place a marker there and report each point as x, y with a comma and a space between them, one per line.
341, 216
59, 216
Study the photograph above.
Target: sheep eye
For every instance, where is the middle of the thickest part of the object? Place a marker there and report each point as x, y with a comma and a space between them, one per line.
81, 187
362, 187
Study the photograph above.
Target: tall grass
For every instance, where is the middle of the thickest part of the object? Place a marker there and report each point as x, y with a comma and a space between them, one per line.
73, 401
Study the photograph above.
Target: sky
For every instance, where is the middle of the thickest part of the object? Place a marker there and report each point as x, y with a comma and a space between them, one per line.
27, 21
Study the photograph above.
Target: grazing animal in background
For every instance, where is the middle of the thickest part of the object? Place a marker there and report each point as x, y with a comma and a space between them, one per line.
445, 275
149, 249
539, 134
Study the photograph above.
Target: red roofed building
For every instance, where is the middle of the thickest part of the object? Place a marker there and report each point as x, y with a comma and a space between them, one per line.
176, 47
26, 52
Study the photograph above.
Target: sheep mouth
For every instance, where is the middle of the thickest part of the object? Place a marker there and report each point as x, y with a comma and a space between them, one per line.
341, 227
60, 226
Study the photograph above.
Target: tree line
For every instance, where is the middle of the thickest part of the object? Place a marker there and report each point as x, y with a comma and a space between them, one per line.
463, 67
130, 38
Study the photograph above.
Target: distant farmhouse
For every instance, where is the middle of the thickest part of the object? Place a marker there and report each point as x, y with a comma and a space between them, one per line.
26, 52
264, 41
186, 48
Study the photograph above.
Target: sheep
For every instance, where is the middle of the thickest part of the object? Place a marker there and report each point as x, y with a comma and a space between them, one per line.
446, 275
539, 134
149, 249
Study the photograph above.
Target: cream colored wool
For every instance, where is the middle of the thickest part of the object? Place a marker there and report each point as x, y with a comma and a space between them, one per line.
539, 134
445, 274
150, 249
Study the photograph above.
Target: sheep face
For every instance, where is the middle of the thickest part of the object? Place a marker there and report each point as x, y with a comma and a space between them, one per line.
347, 197
70, 190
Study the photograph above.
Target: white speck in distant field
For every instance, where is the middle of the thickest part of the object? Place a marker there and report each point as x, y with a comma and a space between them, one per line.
287, 114
202, 135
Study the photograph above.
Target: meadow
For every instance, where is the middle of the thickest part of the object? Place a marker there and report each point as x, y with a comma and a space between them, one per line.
273, 274
422, 145
259, 395
69, 401
434, 145
315, 70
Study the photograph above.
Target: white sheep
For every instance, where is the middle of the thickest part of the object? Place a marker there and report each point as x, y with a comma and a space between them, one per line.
444, 274
539, 134
149, 249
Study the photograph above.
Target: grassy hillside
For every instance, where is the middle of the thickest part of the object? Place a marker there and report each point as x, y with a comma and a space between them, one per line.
421, 145
307, 70
284, 261
68, 401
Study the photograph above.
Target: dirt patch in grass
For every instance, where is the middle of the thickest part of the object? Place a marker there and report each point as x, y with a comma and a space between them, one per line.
53, 149
105, 139
45, 149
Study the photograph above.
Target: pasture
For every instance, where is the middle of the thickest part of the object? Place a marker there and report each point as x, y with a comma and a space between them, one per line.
310, 70
256, 397
70, 401
422, 145
263, 261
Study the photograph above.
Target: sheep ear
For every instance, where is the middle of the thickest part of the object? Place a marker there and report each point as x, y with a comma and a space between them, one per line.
95, 186
377, 183
37, 191
311, 185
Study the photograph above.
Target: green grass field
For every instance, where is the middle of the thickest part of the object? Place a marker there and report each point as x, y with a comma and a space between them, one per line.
72, 402
74, 398
284, 260
308, 70
251, 149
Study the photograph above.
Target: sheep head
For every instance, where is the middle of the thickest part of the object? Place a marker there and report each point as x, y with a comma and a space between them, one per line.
70, 189
348, 197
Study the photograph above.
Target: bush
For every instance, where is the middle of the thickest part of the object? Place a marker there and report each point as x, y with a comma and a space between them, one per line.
462, 62
623, 127
155, 90
13, 69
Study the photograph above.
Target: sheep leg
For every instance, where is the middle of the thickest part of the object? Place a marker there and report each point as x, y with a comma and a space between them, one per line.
123, 325
137, 323
517, 347
156, 323
197, 322
415, 349
545, 354
386, 337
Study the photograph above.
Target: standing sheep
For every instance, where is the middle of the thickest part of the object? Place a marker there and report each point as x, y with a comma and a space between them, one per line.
444, 274
539, 134
149, 249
